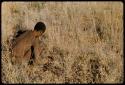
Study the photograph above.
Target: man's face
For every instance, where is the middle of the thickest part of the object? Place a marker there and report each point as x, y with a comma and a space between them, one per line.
38, 33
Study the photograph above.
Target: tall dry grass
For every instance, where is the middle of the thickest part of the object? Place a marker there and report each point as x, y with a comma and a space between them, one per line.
85, 40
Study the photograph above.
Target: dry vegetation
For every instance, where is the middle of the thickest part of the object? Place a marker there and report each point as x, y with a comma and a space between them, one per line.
83, 42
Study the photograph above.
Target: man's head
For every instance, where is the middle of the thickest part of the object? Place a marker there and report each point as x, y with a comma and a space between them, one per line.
39, 28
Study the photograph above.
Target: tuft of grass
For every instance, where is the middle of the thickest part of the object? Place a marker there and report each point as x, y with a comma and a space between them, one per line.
36, 5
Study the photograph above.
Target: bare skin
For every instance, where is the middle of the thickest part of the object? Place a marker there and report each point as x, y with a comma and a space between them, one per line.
25, 48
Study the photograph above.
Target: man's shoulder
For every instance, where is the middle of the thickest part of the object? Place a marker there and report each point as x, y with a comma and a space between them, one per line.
21, 36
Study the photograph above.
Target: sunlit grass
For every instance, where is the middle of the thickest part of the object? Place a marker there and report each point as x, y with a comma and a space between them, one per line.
85, 40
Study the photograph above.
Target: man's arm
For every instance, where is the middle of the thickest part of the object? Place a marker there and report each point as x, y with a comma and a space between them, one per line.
37, 50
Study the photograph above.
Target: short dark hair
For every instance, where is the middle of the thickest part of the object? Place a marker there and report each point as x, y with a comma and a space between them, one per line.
40, 26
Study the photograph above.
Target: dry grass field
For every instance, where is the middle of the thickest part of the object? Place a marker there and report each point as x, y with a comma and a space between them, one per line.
83, 42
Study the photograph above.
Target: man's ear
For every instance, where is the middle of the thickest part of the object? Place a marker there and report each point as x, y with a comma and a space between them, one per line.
40, 26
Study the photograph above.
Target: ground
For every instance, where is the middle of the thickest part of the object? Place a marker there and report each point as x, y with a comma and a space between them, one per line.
83, 42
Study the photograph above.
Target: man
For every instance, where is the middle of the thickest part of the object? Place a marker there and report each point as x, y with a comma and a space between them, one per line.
24, 47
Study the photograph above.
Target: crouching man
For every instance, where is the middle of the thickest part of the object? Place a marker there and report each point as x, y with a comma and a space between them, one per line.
25, 47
